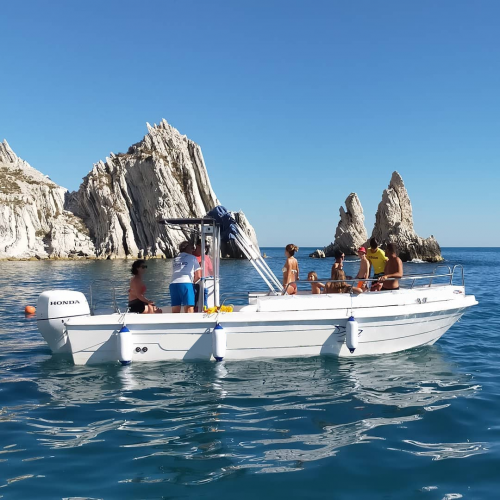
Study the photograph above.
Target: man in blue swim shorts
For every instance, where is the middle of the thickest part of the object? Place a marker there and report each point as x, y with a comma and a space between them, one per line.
186, 272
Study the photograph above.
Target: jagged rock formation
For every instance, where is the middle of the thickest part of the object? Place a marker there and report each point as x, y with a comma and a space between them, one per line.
33, 219
351, 232
122, 199
394, 223
115, 212
317, 254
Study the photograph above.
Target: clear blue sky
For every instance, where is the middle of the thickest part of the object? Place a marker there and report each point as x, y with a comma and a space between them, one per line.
295, 104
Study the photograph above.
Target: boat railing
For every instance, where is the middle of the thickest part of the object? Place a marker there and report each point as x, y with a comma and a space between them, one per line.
412, 280
102, 294
460, 270
233, 296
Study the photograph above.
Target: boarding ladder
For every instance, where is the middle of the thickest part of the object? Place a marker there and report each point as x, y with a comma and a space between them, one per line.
252, 253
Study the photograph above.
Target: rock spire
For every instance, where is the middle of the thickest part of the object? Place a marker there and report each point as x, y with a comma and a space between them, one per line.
351, 232
121, 199
394, 223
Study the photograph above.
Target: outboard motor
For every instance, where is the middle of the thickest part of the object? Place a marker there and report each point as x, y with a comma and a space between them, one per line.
53, 309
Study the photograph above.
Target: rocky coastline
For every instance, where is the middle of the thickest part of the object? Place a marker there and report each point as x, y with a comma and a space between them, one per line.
115, 212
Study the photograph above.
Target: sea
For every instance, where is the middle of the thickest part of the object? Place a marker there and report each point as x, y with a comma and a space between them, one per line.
422, 424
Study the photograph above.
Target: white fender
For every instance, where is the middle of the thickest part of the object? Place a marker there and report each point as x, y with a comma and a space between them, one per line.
125, 346
218, 342
351, 334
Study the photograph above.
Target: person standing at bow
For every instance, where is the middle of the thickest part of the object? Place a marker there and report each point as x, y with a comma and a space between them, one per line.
186, 272
291, 269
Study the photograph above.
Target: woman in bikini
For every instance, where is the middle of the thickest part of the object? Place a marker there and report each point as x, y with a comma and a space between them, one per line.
137, 302
291, 269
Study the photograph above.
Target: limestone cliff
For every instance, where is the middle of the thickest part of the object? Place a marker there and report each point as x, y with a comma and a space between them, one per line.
351, 232
33, 219
115, 212
122, 199
394, 222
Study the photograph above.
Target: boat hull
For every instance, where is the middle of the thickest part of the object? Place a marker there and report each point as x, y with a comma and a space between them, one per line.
250, 335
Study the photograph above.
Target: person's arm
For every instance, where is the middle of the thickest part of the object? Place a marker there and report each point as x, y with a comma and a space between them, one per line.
298, 271
366, 270
285, 273
197, 276
196, 269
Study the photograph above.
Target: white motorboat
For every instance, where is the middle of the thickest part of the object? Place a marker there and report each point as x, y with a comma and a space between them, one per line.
270, 324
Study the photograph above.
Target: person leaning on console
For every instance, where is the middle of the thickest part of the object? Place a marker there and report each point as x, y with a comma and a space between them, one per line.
393, 271
137, 302
186, 272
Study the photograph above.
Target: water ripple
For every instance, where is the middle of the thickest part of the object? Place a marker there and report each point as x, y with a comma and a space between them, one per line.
370, 428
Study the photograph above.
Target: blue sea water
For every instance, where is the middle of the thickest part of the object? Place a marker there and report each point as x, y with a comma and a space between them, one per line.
421, 424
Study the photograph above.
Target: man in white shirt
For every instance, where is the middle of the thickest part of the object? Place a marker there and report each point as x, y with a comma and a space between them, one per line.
186, 271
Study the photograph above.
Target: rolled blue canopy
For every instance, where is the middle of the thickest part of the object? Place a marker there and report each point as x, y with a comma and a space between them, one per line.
227, 223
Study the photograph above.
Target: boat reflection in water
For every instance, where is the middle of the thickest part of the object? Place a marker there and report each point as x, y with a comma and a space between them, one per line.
201, 421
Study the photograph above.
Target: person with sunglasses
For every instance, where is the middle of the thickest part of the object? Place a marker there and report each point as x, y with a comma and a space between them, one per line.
137, 302
339, 262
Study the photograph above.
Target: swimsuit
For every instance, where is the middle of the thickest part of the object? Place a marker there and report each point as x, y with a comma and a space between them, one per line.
137, 305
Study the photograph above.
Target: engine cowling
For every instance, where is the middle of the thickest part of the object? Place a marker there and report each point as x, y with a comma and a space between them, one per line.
53, 309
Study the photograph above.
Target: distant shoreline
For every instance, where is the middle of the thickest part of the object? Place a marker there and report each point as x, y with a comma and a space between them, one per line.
130, 258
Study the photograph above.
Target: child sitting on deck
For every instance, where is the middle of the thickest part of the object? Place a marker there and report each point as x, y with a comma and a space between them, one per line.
315, 287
